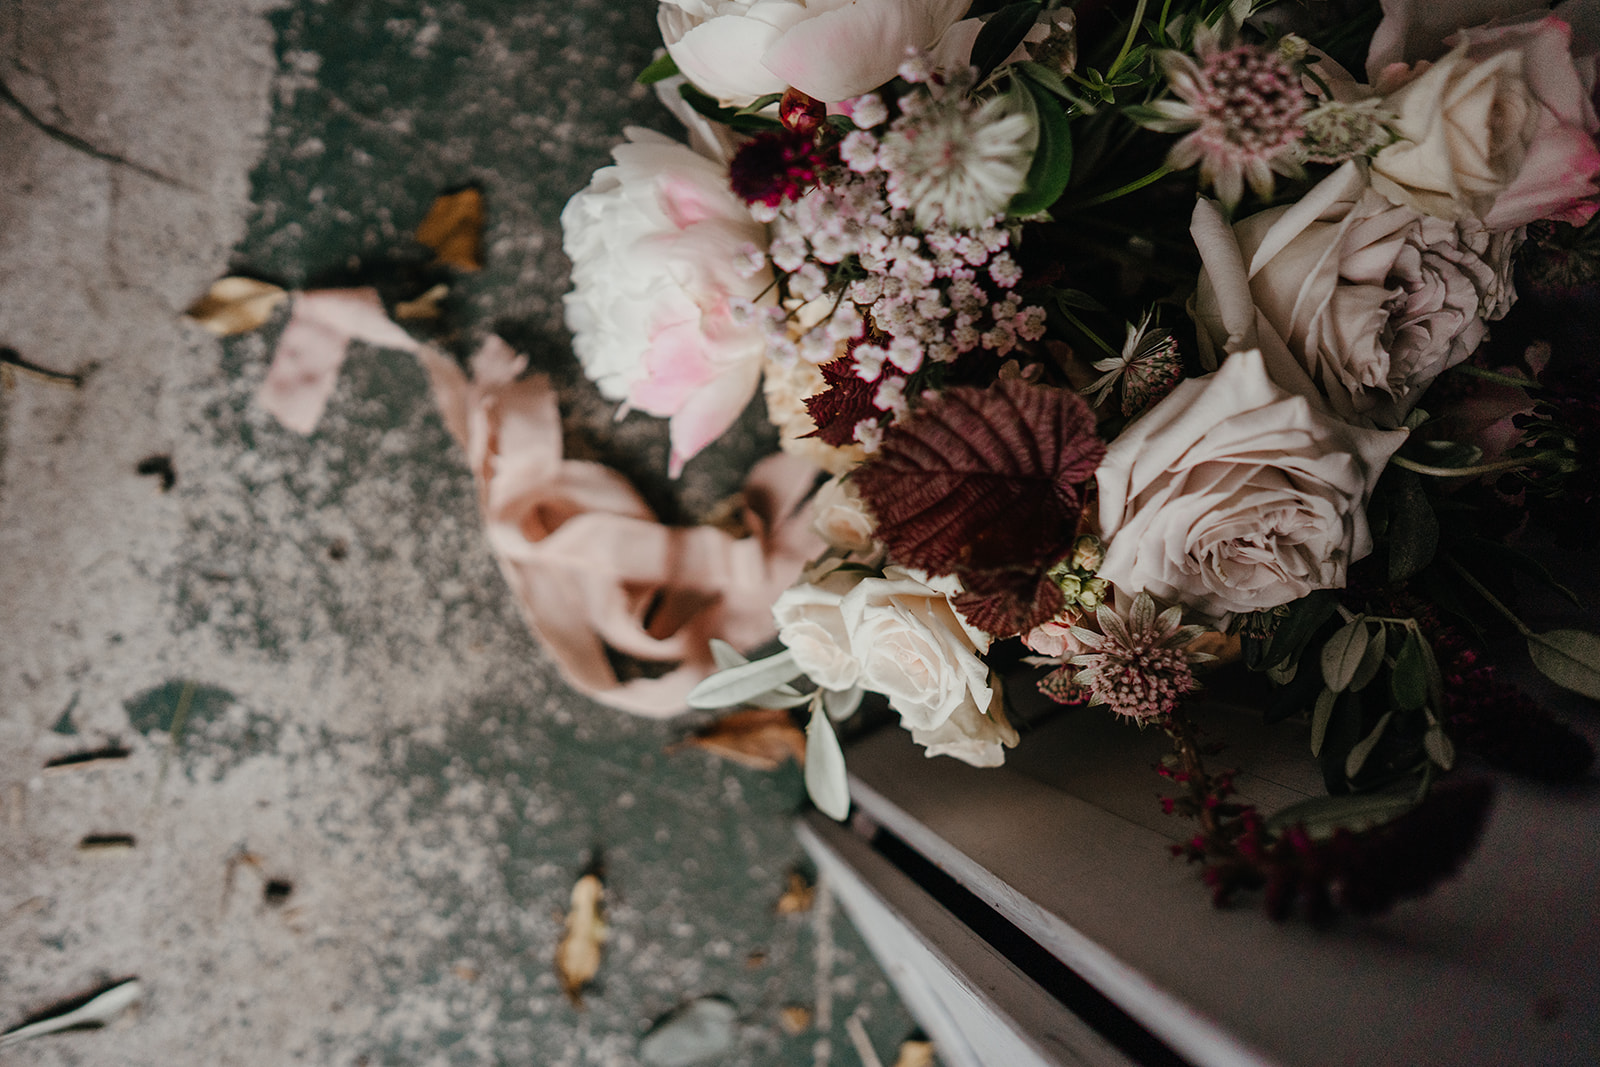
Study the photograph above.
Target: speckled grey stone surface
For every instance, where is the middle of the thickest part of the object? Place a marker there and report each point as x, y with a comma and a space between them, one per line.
368, 722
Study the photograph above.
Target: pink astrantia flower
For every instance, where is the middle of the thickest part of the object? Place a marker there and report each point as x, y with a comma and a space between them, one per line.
1138, 663
1240, 107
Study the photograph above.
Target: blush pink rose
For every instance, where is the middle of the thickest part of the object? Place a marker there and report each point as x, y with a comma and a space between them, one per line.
1501, 128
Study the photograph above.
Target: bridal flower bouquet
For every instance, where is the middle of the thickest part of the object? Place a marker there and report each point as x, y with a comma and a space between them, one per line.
1139, 338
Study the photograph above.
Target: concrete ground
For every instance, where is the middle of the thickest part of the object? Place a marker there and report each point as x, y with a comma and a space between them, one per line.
348, 796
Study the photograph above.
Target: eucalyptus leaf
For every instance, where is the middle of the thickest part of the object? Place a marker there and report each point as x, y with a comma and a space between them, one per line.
841, 704
1408, 682
661, 69
826, 781
736, 685
1283, 673
1305, 618
1322, 816
1372, 659
1413, 526
1320, 714
725, 655
1001, 35
1363, 748
1342, 655
1051, 168
1569, 658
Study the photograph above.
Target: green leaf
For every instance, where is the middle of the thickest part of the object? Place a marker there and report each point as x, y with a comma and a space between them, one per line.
1342, 655
826, 780
759, 104
1363, 748
1344, 730
736, 685
1305, 618
1440, 750
1449, 453
1078, 300
661, 69
1047, 78
725, 655
1408, 682
1052, 159
1413, 527
714, 111
1569, 658
1322, 816
1320, 714
1372, 659
1001, 35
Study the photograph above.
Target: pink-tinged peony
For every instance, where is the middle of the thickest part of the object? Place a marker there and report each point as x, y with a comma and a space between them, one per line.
1240, 108
1233, 495
831, 50
1138, 663
1500, 129
1371, 300
655, 242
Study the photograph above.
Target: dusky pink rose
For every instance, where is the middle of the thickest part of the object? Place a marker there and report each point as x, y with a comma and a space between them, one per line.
832, 50
1233, 495
1501, 128
1371, 299
653, 309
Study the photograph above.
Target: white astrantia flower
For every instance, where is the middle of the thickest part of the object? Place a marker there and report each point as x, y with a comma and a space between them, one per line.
958, 162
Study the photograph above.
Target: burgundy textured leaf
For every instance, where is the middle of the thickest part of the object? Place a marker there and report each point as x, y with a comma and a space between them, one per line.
984, 479
846, 401
1006, 602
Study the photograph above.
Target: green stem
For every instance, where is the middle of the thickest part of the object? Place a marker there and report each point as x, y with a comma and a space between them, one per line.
1495, 376
1127, 42
1490, 597
1458, 472
1090, 334
1132, 187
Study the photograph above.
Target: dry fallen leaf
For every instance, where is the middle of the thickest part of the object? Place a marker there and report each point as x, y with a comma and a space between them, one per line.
236, 305
798, 897
425, 306
454, 229
794, 1018
578, 955
761, 738
915, 1054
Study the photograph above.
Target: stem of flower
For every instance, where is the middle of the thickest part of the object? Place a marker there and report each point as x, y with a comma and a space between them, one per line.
1127, 42
1462, 472
1132, 187
1090, 334
1490, 597
1194, 769
1495, 376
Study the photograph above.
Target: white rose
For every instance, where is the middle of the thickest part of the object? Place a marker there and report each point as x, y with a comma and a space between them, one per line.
653, 242
832, 50
1232, 495
841, 517
1500, 129
811, 626
915, 649
971, 736
1372, 300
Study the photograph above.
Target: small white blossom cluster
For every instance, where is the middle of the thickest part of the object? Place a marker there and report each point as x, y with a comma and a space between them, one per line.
930, 293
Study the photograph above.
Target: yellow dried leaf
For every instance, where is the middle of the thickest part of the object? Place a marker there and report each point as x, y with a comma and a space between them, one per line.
425, 306
454, 229
762, 738
236, 305
798, 897
578, 955
794, 1018
915, 1054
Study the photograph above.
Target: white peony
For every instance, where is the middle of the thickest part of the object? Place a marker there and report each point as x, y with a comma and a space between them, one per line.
655, 292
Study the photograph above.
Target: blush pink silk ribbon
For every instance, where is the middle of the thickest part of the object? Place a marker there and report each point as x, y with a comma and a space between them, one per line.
588, 563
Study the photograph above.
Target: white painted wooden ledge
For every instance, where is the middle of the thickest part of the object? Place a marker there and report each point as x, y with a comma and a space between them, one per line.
1499, 966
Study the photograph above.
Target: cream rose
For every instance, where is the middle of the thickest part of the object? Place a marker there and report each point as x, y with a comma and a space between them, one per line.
811, 626
840, 517
1232, 495
1372, 300
915, 648
971, 736
833, 50
1501, 129
653, 308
